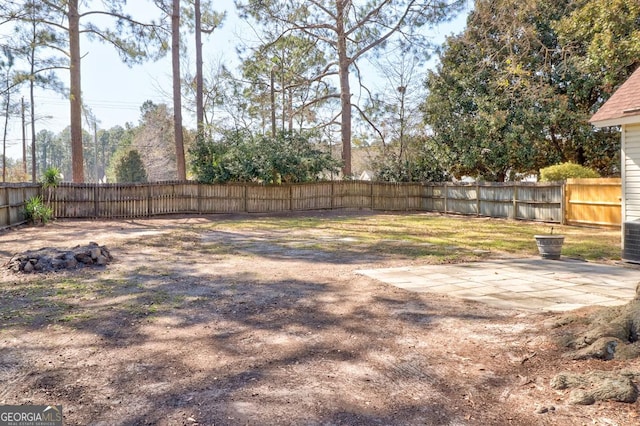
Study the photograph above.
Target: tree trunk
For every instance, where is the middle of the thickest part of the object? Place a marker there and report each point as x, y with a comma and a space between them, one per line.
345, 90
4, 136
77, 160
24, 141
290, 110
199, 82
283, 84
177, 96
95, 149
273, 103
33, 106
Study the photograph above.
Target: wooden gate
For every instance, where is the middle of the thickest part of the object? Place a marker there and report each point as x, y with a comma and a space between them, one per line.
593, 202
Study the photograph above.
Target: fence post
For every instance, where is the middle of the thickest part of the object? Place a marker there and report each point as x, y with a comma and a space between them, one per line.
477, 199
149, 201
423, 203
291, 197
446, 198
371, 194
246, 203
515, 200
563, 203
96, 194
6, 209
332, 194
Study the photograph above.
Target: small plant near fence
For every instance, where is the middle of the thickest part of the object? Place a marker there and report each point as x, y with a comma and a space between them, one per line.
36, 211
50, 181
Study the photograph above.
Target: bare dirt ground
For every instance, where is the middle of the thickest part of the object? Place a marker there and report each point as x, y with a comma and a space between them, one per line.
198, 324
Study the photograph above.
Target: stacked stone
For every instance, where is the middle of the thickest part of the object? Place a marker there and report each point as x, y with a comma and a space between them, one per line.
52, 259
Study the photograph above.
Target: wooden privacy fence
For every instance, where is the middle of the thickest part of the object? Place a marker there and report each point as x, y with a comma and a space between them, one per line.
578, 201
527, 201
593, 201
13, 197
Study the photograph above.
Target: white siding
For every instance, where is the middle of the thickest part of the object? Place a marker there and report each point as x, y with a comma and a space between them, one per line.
631, 170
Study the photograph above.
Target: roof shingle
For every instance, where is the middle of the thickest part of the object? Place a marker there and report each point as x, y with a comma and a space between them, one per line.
623, 106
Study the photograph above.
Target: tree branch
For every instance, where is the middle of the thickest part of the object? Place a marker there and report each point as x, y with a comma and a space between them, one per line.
367, 18
323, 8
365, 117
392, 30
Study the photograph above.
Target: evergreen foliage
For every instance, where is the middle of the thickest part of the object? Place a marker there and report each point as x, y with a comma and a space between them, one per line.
240, 156
130, 168
420, 161
513, 93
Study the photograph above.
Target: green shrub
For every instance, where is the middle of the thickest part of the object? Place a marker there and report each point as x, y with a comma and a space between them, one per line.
130, 168
36, 211
240, 156
566, 171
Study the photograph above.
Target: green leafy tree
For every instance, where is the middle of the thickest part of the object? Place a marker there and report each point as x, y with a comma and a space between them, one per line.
119, 141
290, 157
130, 168
505, 101
422, 161
472, 99
348, 31
601, 38
600, 41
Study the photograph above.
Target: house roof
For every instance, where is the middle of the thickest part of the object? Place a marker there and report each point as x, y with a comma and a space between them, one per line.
623, 107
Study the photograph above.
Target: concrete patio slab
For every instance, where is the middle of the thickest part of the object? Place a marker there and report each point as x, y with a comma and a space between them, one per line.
532, 284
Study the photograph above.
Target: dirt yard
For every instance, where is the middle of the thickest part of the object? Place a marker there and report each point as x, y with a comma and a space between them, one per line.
199, 323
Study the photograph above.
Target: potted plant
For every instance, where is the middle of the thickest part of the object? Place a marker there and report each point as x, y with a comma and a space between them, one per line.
550, 245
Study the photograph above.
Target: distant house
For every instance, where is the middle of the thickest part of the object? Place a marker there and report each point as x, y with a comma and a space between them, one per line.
623, 109
367, 175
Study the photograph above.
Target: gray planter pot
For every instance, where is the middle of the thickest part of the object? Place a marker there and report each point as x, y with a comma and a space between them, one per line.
550, 246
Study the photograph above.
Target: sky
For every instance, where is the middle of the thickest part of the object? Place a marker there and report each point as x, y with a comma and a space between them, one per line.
115, 92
